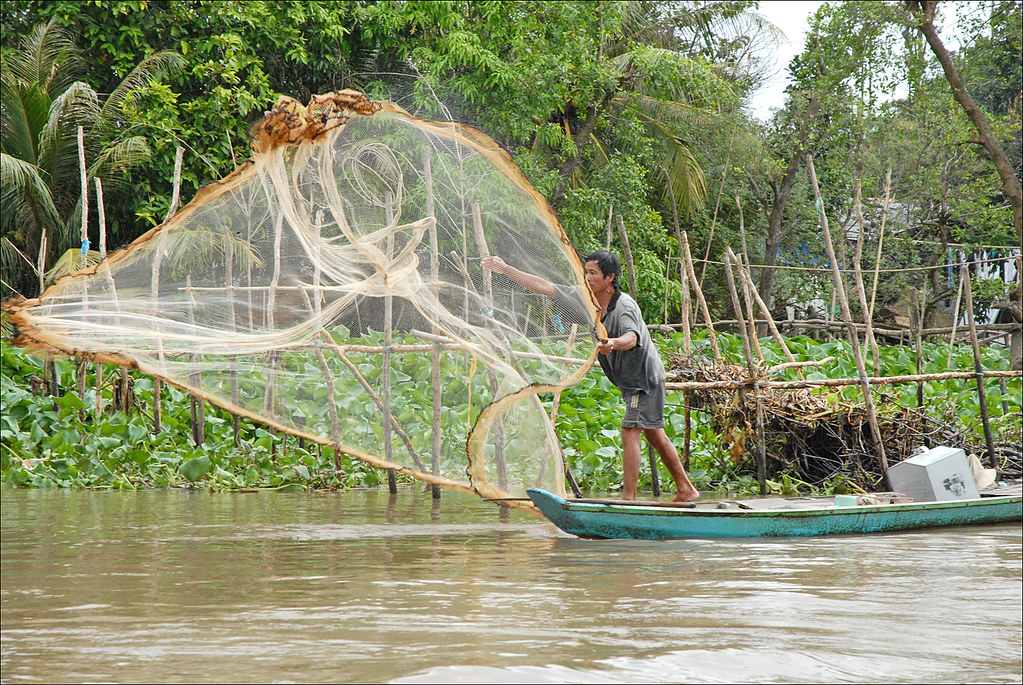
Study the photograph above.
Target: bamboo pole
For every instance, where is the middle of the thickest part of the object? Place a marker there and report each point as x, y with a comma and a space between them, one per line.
667, 277
747, 298
686, 304
915, 325
436, 444
322, 334
628, 257
179, 155
880, 243
85, 252
233, 324
978, 368
385, 377
198, 410
49, 366
955, 322
772, 326
488, 299
754, 373
700, 299
610, 211
847, 318
687, 335
554, 411
101, 213
860, 292
85, 196
717, 204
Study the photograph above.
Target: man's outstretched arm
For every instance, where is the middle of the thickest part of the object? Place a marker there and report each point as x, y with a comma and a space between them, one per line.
537, 284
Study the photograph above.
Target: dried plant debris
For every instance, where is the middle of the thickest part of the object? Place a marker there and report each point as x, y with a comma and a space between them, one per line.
812, 433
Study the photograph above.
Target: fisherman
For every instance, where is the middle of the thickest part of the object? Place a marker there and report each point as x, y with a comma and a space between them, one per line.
629, 360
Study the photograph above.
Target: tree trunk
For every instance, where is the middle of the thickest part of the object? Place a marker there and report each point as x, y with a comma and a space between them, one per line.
593, 114
782, 192
924, 11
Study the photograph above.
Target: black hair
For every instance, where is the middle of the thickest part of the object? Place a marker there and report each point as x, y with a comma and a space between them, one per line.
609, 264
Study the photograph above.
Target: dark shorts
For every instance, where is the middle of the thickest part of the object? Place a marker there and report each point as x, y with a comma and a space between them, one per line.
644, 410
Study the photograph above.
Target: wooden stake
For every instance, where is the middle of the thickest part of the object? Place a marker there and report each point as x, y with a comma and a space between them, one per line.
385, 378
110, 283
955, 323
667, 277
155, 287
753, 372
860, 292
488, 299
748, 279
198, 408
688, 259
232, 323
610, 211
877, 258
978, 367
554, 412
85, 250
437, 435
915, 325
847, 318
628, 257
717, 204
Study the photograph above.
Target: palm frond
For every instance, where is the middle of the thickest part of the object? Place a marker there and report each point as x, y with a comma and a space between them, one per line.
688, 183
47, 56
76, 106
71, 261
158, 63
121, 157
22, 182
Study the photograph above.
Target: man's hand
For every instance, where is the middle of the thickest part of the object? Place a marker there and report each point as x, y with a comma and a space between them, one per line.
495, 264
625, 342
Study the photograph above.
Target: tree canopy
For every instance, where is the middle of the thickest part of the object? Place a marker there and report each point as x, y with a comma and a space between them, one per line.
626, 107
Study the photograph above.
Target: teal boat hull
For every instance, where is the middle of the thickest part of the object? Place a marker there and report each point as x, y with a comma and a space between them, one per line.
639, 522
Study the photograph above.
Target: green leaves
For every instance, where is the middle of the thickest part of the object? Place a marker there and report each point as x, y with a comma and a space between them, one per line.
194, 469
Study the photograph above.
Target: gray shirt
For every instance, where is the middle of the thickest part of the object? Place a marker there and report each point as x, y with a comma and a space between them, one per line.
635, 370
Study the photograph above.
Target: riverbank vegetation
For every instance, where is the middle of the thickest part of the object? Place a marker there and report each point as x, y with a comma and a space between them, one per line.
60, 441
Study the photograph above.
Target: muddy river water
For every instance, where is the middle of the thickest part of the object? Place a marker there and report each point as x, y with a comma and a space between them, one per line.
175, 586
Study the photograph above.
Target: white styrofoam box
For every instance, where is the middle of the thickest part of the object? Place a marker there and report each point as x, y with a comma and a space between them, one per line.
939, 474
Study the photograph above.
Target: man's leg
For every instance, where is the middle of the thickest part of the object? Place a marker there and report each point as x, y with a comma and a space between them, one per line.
630, 461
685, 490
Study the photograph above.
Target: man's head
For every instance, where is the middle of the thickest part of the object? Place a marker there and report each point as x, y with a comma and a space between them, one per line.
608, 265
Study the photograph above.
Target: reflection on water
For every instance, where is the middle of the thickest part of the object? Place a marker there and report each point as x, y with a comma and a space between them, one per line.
177, 586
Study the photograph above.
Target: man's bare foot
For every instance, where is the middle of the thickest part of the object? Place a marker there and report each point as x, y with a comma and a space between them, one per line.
687, 495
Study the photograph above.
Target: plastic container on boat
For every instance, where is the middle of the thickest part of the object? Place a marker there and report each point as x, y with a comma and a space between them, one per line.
937, 475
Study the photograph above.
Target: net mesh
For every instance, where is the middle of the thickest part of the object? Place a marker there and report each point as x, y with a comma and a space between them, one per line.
331, 287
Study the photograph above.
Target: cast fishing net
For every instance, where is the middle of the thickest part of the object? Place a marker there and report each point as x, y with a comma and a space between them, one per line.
331, 288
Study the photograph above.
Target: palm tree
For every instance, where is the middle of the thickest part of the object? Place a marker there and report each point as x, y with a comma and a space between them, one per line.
666, 37
42, 104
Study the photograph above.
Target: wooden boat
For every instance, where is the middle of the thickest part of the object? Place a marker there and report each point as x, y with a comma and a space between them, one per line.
774, 517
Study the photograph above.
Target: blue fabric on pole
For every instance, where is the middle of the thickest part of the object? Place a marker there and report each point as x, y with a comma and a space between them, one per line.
85, 246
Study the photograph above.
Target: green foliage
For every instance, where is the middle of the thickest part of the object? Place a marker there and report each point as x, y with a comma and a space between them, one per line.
44, 102
57, 442
47, 442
